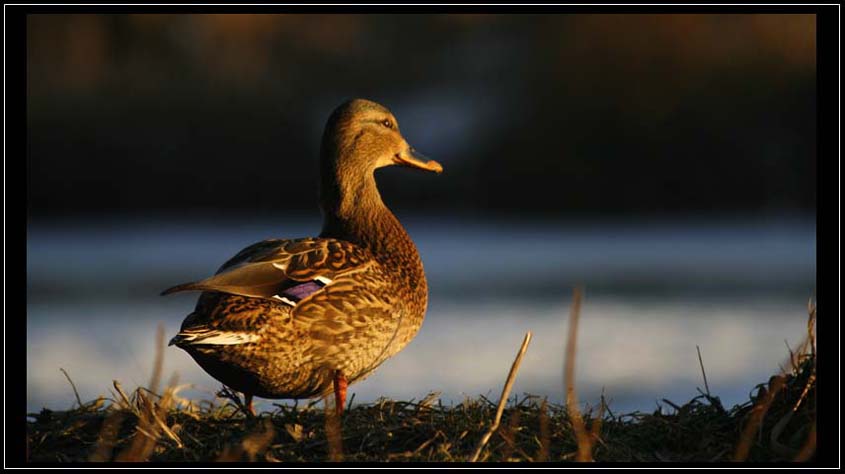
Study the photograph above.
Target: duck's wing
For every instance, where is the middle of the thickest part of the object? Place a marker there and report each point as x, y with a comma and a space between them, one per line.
335, 291
284, 270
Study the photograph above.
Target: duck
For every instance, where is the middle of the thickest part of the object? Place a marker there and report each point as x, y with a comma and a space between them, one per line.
306, 317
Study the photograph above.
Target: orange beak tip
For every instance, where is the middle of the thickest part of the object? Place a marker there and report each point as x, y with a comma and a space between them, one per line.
417, 162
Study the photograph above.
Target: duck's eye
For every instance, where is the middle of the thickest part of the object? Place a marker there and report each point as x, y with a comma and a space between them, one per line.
387, 123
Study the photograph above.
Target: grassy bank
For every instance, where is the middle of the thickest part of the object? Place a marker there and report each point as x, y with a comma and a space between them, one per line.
777, 423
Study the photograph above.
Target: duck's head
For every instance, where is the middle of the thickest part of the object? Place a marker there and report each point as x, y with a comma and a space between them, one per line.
361, 136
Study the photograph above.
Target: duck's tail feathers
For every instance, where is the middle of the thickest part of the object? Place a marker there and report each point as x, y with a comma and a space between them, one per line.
192, 286
213, 337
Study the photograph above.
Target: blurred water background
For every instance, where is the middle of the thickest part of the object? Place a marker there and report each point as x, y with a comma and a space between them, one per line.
654, 290
666, 162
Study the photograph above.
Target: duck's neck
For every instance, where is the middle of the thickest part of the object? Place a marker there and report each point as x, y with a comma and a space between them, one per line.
353, 211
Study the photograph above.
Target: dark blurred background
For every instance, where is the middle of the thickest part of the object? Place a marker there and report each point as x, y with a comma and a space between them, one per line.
665, 162
583, 114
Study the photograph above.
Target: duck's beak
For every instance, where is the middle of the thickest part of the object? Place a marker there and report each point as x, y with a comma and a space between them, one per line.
415, 159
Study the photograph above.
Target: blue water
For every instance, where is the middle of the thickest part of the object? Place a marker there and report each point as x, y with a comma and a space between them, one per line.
738, 288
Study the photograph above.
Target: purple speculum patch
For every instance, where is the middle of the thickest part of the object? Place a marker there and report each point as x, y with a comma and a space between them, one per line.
301, 291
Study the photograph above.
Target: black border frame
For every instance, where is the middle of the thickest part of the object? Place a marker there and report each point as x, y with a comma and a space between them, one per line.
827, 213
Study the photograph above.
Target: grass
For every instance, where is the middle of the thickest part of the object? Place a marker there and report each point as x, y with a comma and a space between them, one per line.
777, 423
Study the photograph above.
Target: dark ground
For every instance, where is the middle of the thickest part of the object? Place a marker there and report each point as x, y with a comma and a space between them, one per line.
777, 423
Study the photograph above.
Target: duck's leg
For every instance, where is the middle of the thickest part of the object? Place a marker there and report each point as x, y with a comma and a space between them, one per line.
340, 384
248, 402
233, 396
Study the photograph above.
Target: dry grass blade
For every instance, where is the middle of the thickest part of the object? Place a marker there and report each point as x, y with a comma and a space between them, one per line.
810, 381
158, 364
427, 402
159, 420
759, 410
811, 325
582, 437
595, 428
703, 373
503, 399
73, 386
811, 342
543, 453
124, 400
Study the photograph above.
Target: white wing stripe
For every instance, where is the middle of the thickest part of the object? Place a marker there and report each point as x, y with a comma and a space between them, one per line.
325, 281
284, 299
219, 338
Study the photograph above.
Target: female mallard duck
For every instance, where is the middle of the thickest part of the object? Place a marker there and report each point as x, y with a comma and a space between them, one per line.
304, 317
